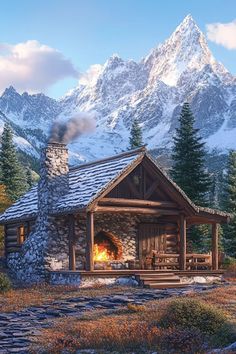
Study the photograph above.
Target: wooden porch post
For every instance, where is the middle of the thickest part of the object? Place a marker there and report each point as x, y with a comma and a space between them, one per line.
215, 229
182, 248
72, 265
90, 241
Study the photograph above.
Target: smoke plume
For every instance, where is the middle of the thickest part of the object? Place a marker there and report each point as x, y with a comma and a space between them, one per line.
66, 132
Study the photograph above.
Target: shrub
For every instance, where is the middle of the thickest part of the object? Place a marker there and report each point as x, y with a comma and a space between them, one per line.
229, 263
230, 266
194, 314
177, 340
5, 283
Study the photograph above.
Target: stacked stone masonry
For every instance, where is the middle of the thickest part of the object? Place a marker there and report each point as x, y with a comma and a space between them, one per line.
48, 249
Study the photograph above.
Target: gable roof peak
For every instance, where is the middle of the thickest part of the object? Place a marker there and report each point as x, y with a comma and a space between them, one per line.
138, 151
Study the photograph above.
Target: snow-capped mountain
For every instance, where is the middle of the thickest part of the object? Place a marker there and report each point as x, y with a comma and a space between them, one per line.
152, 90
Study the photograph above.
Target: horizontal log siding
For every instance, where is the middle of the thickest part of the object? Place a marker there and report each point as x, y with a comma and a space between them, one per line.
11, 235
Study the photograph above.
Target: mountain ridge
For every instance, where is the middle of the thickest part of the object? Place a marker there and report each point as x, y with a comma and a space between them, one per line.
152, 91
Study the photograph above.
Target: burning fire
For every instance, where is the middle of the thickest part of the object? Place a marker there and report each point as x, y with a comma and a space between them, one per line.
102, 254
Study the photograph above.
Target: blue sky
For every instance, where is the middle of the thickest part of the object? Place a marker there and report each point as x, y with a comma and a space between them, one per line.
80, 33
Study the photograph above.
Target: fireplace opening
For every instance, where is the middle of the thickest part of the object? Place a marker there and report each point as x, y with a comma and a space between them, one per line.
106, 247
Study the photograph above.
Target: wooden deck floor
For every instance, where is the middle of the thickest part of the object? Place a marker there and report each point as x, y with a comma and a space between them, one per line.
135, 272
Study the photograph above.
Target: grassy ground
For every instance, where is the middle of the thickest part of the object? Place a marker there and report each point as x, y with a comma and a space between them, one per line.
133, 328
138, 329
18, 299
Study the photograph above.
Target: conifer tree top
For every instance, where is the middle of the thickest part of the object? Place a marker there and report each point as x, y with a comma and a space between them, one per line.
12, 173
189, 170
136, 139
230, 205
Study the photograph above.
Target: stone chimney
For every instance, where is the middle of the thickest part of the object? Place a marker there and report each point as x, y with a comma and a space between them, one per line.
48, 240
54, 180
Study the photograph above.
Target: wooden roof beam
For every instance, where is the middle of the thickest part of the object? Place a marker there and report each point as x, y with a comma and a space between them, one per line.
148, 211
137, 202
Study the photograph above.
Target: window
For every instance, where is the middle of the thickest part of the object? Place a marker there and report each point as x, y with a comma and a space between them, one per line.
21, 234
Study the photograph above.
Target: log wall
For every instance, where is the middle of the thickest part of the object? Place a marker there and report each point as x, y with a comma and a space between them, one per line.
11, 232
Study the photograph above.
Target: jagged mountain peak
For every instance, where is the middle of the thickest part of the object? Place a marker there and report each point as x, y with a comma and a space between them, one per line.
186, 50
114, 58
188, 25
9, 91
188, 37
115, 64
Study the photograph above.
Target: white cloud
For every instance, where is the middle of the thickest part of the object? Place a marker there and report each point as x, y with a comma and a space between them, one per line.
32, 67
91, 75
223, 33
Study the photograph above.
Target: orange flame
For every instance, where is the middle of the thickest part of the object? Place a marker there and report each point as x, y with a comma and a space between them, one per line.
101, 253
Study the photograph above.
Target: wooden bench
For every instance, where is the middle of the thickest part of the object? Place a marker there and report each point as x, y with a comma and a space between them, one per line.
194, 261
165, 260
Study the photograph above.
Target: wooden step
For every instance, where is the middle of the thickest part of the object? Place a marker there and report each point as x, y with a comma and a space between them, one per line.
167, 276
152, 275
161, 280
165, 285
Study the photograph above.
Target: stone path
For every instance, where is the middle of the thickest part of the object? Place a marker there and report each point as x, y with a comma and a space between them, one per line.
18, 328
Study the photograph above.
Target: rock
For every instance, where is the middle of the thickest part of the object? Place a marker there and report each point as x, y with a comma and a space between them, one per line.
230, 349
128, 281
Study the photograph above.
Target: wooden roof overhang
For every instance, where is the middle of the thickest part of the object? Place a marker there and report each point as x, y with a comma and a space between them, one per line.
209, 216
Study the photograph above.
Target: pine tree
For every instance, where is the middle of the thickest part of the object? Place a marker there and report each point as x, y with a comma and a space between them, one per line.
29, 177
188, 156
12, 174
4, 204
135, 139
230, 205
214, 192
4, 199
189, 173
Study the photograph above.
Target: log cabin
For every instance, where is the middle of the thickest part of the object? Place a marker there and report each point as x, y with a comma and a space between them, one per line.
120, 215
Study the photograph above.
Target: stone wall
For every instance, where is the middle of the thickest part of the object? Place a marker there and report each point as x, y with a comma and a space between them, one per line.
44, 250
47, 248
121, 226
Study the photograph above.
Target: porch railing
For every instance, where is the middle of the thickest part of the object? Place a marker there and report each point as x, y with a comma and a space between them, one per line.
194, 261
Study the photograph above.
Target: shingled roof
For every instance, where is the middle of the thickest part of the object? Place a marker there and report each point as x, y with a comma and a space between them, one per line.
86, 183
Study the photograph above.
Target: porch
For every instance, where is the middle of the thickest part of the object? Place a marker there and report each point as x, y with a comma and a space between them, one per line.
137, 272
158, 279
160, 245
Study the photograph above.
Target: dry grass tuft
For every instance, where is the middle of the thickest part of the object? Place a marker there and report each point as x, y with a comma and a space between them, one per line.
136, 308
108, 333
